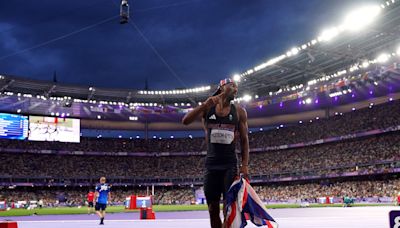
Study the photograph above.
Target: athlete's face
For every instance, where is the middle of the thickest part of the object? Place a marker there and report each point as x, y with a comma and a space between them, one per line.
230, 90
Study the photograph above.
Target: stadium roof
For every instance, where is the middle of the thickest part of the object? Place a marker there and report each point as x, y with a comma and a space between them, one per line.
328, 56
315, 59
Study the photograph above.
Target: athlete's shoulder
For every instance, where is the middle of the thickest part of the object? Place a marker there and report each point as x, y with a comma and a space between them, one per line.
240, 110
98, 187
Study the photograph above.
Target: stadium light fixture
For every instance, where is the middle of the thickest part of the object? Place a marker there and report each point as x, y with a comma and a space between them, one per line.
236, 78
294, 51
246, 98
328, 34
382, 58
361, 18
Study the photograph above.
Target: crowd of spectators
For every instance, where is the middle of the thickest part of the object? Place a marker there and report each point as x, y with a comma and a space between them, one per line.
377, 117
367, 155
344, 156
328, 157
311, 191
273, 193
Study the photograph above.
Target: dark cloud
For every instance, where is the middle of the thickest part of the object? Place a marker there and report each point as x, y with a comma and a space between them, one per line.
201, 40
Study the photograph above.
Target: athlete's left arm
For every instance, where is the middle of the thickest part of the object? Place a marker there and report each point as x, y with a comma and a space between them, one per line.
244, 141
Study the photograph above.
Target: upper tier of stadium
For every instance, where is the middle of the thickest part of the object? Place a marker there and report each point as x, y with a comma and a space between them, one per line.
352, 64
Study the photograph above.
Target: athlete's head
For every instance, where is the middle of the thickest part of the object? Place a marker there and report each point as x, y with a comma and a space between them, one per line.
228, 87
102, 180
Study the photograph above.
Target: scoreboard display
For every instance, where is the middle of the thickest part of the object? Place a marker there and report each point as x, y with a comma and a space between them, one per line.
13, 126
3, 205
44, 128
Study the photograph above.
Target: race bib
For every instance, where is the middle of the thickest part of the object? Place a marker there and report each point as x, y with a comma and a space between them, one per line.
222, 136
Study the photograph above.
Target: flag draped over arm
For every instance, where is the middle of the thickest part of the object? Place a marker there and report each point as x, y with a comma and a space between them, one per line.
241, 199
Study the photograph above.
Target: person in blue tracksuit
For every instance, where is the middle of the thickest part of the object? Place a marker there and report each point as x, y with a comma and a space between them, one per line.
102, 196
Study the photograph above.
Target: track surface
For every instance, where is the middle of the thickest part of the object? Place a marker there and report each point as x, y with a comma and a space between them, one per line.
358, 217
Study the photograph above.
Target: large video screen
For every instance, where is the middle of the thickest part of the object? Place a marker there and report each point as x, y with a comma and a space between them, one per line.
13, 126
44, 128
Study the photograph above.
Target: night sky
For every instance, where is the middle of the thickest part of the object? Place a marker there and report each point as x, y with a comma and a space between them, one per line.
172, 43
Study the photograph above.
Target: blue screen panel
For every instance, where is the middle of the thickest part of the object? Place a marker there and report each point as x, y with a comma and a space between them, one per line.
13, 126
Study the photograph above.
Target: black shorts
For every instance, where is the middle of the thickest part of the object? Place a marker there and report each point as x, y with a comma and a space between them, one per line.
100, 207
90, 204
217, 183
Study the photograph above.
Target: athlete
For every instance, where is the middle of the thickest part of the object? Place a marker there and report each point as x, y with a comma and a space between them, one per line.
224, 123
102, 196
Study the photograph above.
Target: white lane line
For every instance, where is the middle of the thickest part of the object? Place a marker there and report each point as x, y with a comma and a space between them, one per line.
113, 220
205, 219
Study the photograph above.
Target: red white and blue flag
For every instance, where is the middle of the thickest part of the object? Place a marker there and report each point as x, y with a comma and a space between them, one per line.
242, 201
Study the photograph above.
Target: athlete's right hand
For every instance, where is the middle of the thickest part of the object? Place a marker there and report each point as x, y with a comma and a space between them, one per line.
214, 100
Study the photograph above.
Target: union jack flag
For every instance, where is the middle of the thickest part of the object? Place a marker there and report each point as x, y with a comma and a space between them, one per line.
242, 201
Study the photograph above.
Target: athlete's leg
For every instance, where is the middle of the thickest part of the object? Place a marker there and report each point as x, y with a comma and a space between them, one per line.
213, 188
213, 210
